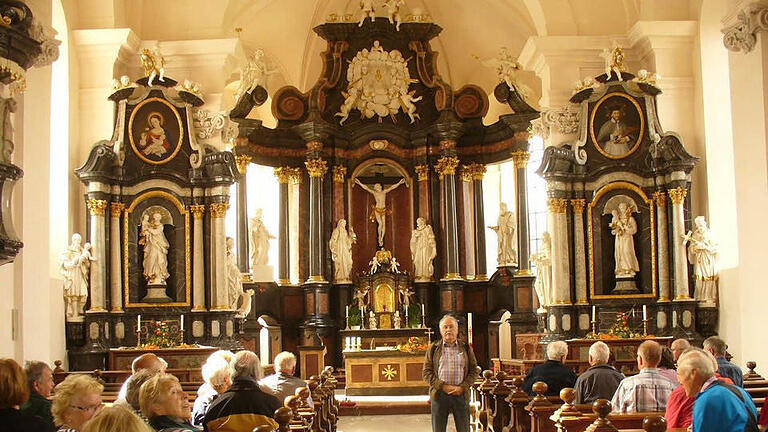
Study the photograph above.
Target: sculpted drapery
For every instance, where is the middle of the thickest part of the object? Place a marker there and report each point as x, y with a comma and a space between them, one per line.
702, 253
341, 250
423, 250
155, 250
623, 226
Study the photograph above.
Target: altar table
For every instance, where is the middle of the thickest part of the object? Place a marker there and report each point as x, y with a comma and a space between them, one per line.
384, 372
177, 358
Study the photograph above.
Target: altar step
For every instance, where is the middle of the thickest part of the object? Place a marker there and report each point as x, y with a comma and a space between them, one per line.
381, 405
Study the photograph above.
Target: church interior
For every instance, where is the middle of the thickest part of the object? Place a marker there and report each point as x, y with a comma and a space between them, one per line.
331, 178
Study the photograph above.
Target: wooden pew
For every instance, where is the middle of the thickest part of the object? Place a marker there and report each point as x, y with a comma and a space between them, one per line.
603, 420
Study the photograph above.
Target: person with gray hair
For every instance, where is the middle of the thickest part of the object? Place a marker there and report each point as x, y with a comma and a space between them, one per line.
717, 347
718, 406
283, 383
40, 382
679, 346
216, 380
601, 380
553, 371
648, 391
244, 405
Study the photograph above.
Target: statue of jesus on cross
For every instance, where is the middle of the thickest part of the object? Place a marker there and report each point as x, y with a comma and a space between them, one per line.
380, 208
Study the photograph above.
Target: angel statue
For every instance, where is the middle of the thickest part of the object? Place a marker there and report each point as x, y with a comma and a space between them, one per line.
507, 68
393, 12
614, 60
702, 253
235, 283
154, 65
543, 261
254, 74
366, 8
506, 228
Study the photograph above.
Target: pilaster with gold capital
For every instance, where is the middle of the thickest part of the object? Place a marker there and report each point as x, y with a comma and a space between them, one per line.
115, 280
98, 270
578, 205
521, 158
242, 162
218, 210
96, 207
422, 172
316, 167
283, 174
579, 255
198, 210
446, 165
660, 198
116, 209
296, 175
339, 173
557, 205
677, 195
198, 268
680, 257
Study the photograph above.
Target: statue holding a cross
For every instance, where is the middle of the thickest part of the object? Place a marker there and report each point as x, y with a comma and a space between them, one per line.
380, 207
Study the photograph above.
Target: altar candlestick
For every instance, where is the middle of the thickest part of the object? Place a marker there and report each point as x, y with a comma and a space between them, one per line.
469, 327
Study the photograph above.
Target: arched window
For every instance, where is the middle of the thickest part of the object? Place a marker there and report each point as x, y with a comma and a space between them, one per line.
537, 195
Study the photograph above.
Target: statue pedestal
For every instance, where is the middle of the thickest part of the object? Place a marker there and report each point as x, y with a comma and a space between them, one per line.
625, 285
263, 273
156, 294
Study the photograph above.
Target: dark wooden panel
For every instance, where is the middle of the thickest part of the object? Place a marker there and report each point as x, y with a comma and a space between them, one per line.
312, 365
362, 373
389, 369
413, 371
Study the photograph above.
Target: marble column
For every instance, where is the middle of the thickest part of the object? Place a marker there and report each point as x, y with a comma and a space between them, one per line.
579, 254
316, 169
677, 195
296, 176
242, 162
446, 167
465, 209
663, 244
520, 158
561, 290
219, 292
422, 175
284, 249
96, 209
481, 269
198, 255
115, 270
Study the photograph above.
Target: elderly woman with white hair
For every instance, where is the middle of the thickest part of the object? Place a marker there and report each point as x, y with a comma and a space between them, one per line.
553, 371
601, 380
244, 405
719, 407
216, 380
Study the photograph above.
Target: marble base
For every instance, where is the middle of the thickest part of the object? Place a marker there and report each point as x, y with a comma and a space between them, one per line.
156, 294
263, 273
625, 286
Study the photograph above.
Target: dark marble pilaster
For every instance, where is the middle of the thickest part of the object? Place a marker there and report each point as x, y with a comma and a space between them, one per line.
481, 269
446, 166
520, 158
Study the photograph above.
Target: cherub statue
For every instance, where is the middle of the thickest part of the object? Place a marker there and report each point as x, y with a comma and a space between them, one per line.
393, 12
507, 67
350, 101
154, 65
366, 7
374, 264
394, 266
396, 320
372, 325
407, 102
614, 60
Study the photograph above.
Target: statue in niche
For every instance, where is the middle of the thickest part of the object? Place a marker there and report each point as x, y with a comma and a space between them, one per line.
372, 325
155, 249
423, 250
366, 8
702, 253
543, 261
393, 12
380, 208
253, 74
260, 237
75, 267
396, 320
341, 251
7, 106
506, 228
239, 300
623, 226
154, 65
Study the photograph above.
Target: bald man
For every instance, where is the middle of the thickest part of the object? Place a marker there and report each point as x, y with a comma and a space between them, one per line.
146, 361
679, 346
647, 391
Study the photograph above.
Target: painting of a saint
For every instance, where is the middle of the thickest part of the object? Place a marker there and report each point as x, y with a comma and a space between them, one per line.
156, 131
154, 139
616, 125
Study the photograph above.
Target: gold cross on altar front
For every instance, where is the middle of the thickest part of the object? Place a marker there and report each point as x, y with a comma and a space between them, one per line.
389, 373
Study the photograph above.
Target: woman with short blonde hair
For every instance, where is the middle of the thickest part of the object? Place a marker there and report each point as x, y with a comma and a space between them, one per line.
75, 401
116, 418
164, 403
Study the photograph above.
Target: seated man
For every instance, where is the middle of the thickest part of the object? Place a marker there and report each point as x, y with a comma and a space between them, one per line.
719, 407
601, 380
282, 383
679, 346
717, 347
647, 391
40, 382
145, 361
553, 371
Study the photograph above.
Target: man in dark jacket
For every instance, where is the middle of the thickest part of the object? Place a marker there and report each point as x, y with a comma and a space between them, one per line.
601, 380
553, 371
40, 381
450, 368
244, 405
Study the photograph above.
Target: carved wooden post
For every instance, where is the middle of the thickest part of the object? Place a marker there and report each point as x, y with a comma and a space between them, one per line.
518, 399
283, 417
602, 408
500, 405
655, 423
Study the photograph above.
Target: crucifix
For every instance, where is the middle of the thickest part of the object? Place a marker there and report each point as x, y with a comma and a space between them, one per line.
380, 207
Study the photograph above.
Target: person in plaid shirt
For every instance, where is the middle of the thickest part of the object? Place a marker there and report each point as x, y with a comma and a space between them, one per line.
450, 368
647, 391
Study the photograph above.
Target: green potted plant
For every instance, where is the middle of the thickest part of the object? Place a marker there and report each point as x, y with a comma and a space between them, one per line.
355, 318
414, 316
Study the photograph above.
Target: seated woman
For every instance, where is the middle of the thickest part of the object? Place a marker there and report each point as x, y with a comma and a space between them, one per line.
75, 401
164, 403
132, 391
667, 367
13, 393
116, 418
217, 381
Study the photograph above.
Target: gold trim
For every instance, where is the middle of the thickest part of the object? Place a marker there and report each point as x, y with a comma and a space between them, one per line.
296, 175
422, 172
476, 170
563, 303
283, 281
198, 210
581, 303
199, 309
521, 158
96, 309
316, 279
314, 146
685, 297
447, 144
220, 307
316, 167
130, 131
446, 165
126, 270
590, 237
242, 162
677, 195
663, 299
96, 207
481, 277
557, 205
592, 125
705, 278
338, 173
115, 209
578, 205
218, 210
660, 198
116, 310
283, 174
452, 276
525, 272
465, 174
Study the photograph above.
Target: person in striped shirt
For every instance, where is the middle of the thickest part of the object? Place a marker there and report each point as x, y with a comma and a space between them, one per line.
647, 391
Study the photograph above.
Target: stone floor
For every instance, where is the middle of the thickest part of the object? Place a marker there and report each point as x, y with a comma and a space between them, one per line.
386, 423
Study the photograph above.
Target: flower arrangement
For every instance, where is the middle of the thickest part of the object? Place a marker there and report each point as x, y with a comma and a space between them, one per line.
161, 336
414, 345
619, 329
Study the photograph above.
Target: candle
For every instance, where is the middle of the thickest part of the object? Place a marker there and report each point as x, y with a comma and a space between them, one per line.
182, 321
593, 312
346, 311
422, 311
645, 313
138, 322
469, 327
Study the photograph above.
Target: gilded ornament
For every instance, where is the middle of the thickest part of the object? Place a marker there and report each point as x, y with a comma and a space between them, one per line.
242, 162
521, 158
97, 207
316, 167
677, 195
219, 210
476, 170
465, 173
116, 208
295, 175
314, 146
422, 172
283, 174
197, 210
338, 173
389, 372
558, 205
447, 144
446, 165
660, 198
578, 205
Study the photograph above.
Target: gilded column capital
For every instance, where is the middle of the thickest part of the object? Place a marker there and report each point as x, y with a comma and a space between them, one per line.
521, 158
314, 146
447, 144
476, 170
283, 174
197, 210
115, 209
422, 172
578, 205
465, 173
242, 162
316, 167
660, 198
677, 195
219, 210
296, 175
339, 172
446, 165
558, 205
97, 207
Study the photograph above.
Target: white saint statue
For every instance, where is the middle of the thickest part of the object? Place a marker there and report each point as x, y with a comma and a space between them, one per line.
423, 250
702, 253
396, 320
155, 249
380, 208
506, 230
341, 251
260, 237
372, 321
75, 267
543, 262
623, 226
235, 283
